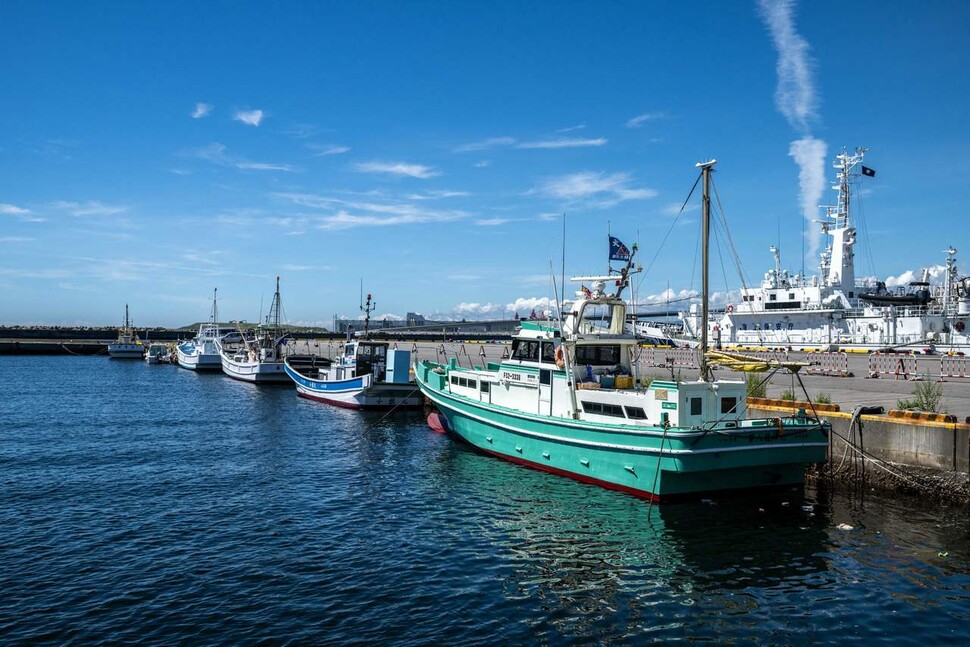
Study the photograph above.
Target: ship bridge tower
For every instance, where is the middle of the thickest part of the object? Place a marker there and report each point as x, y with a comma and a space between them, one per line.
838, 260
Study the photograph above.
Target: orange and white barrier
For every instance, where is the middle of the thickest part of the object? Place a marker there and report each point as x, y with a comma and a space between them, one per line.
834, 364
900, 366
952, 366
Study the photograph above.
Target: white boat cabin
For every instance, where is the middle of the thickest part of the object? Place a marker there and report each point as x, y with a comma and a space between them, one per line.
592, 376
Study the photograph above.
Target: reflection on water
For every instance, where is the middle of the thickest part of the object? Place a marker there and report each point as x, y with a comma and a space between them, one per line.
151, 503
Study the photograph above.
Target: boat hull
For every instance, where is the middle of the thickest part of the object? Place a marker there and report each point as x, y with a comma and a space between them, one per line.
256, 372
356, 393
125, 351
197, 361
647, 463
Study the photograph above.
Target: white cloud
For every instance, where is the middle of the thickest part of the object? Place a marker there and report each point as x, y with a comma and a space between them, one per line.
319, 150
521, 306
398, 168
13, 210
571, 129
607, 189
249, 117
15, 239
482, 164
639, 120
201, 110
260, 166
89, 208
485, 144
345, 214
435, 195
795, 95
491, 222
345, 220
563, 143
937, 276
302, 131
216, 153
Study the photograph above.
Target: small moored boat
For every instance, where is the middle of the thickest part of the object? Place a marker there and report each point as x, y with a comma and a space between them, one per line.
202, 353
127, 346
366, 375
158, 354
258, 358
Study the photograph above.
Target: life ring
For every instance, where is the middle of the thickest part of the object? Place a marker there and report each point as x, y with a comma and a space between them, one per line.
959, 326
729, 309
560, 358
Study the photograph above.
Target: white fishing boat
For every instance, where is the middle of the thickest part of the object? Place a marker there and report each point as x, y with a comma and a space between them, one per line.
366, 375
203, 353
834, 310
568, 401
158, 354
259, 358
127, 346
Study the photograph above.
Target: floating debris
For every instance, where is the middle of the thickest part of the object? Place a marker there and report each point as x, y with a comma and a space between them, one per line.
844, 526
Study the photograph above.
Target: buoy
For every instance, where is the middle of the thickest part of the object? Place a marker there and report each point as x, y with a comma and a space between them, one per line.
437, 422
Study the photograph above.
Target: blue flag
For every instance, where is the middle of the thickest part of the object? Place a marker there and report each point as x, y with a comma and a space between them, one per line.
618, 251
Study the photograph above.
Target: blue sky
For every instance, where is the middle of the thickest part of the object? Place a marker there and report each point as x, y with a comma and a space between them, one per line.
150, 152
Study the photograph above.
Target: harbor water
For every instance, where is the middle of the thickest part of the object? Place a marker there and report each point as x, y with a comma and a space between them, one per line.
151, 504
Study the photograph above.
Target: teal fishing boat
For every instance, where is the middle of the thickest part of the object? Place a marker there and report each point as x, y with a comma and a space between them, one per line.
568, 400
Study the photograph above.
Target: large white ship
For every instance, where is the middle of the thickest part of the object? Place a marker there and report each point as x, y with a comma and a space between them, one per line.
835, 310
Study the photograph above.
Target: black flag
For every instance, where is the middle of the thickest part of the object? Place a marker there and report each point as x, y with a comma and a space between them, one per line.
868, 172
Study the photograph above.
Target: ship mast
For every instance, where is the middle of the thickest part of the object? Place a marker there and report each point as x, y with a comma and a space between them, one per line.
367, 308
706, 169
274, 309
838, 263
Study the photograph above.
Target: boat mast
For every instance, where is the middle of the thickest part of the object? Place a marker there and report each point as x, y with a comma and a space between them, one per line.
367, 309
273, 317
706, 169
215, 312
127, 325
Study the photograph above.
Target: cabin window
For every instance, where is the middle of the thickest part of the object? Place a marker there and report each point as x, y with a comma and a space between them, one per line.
549, 352
744, 326
778, 326
545, 376
851, 295
791, 326
772, 297
484, 386
454, 380
598, 355
695, 406
525, 349
603, 408
635, 413
728, 405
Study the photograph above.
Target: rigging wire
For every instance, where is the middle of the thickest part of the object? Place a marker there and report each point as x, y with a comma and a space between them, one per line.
669, 231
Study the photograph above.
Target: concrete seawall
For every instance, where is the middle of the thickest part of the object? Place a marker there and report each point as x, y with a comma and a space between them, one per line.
920, 456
